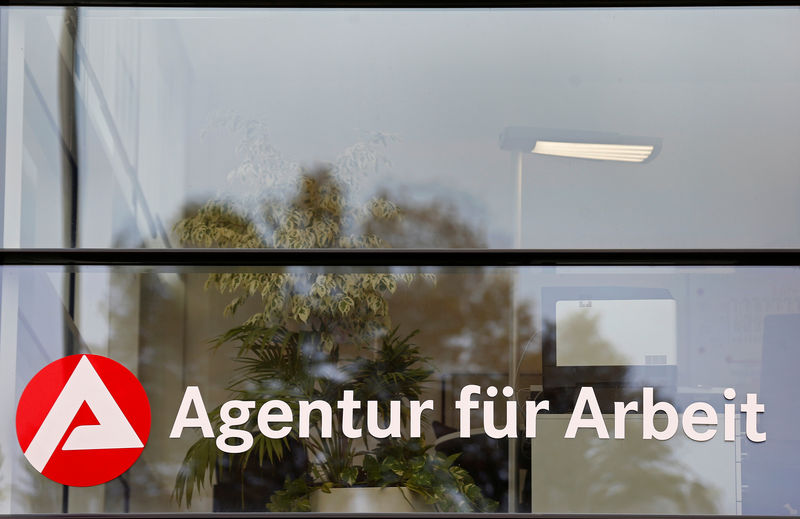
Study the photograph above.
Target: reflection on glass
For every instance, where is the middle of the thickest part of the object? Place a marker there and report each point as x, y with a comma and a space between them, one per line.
632, 476
355, 142
300, 346
429, 333
120, 119
612, 332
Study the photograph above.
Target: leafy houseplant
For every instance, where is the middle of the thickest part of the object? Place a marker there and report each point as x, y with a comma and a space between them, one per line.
407, 463
293, 369
393, 370
291, 349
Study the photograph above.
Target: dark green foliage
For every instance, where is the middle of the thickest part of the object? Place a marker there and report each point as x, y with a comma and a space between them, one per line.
293, 497
409, 463
293, 366
432, 475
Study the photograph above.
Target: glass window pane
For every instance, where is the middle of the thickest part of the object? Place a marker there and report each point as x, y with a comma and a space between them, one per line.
622, 128
671, 344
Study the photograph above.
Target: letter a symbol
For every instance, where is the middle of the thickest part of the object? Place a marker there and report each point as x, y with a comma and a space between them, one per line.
113, 431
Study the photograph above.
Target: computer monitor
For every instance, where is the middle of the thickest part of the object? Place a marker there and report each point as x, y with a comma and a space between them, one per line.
609, 337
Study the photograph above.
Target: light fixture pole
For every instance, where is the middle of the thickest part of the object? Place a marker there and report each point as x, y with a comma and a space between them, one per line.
592, 146
513, 468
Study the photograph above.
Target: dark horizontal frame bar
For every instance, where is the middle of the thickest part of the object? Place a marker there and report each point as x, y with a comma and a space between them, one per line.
397, 3
399, 257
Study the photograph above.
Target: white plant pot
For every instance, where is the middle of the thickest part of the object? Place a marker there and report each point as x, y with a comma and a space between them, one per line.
368, 500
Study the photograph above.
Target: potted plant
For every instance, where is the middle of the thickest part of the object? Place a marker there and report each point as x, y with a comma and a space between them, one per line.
276, 363
391, 474
291, 348
421, 479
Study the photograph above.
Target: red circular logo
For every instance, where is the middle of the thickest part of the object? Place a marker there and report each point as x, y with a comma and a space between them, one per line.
83, 420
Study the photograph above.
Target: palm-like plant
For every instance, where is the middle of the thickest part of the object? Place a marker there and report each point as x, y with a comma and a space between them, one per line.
275, 363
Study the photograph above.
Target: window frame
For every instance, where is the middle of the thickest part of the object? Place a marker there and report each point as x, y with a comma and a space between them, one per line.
76, 257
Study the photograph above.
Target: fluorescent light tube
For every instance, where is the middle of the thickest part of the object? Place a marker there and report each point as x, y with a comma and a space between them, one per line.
583, 150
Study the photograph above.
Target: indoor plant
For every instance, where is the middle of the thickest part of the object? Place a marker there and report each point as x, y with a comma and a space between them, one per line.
291, 349
404, 463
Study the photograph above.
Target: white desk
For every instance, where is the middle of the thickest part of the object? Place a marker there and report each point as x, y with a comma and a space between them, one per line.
589, 475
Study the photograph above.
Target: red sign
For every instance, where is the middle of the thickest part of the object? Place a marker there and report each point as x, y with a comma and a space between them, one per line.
83, 420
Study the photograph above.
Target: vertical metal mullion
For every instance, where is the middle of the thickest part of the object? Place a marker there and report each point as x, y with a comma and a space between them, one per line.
69, 133
69, 130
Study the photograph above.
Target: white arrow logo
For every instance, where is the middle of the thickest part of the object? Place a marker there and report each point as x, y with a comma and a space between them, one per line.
113, 431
